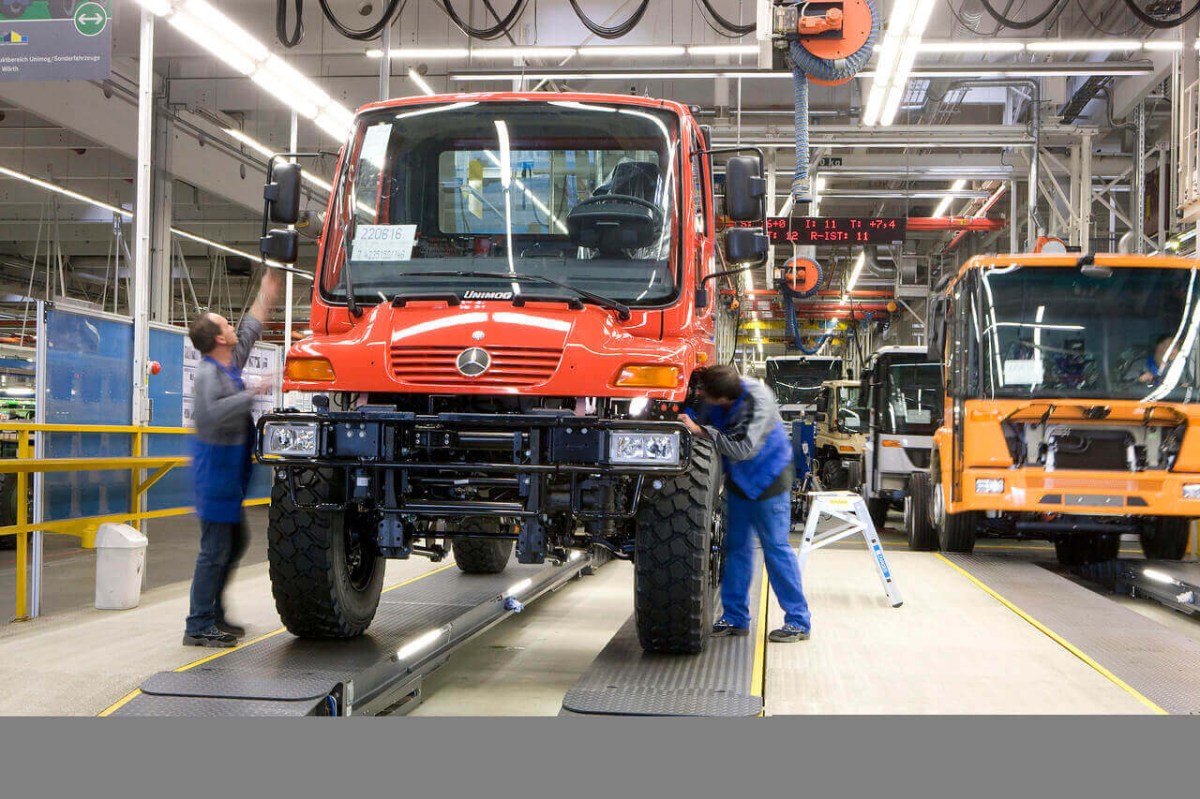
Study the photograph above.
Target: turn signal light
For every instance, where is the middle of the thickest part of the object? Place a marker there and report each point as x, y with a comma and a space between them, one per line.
310, 370
891, 442
634, 376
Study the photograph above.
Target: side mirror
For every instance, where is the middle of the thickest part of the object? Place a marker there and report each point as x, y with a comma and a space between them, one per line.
281, 245
701, 298
283, 194
744, 189
820, 417
935, 340
746, 245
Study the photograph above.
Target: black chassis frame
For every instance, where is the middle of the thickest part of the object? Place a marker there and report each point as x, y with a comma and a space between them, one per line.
373, 447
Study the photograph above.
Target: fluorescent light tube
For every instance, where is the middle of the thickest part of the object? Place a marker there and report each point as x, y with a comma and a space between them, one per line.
1083, 45
416, 78
632, 50
972, 47
722, 49
523, 52
944, 205
858, 267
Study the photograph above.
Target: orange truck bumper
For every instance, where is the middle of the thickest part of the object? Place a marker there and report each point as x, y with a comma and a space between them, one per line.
1074, 492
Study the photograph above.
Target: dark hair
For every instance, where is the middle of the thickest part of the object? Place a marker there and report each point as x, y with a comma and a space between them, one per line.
203, 333
721, 382
1162, 338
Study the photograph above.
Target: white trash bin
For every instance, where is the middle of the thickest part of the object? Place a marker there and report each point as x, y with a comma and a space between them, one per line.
120, 561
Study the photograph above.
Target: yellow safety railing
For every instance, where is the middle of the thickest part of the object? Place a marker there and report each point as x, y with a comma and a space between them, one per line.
85, 527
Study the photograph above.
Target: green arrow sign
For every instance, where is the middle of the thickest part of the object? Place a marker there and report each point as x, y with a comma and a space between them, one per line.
91, 19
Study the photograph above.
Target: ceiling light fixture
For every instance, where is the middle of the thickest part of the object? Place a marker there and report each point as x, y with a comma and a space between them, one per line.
423, 53
901, 42
232, 44
971, 47
632, 50
722, 49
264, 150
416, 78
126, 213
944, 205
524, 52
1083, 45
858, 267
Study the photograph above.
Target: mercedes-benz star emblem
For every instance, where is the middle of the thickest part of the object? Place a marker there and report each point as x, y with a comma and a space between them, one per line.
473, 362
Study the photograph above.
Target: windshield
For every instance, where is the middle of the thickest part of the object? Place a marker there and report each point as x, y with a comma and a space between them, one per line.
797, 382
912, 399
582, 194
1055, 332
851, 415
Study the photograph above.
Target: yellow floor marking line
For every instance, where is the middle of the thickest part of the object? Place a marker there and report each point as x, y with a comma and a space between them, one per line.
758, 670
108, 711
1058, 639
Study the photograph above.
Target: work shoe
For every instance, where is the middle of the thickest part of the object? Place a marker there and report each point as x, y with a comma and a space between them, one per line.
723, 628
788, 634
210, 637
235, 630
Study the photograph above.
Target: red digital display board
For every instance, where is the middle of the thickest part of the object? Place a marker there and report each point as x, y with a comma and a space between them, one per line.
836, 230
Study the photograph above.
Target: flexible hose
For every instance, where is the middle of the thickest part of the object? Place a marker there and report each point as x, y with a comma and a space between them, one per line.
805, 65
390, 12
1162, 24
1016, 23
293, 37
502, 26
611, 31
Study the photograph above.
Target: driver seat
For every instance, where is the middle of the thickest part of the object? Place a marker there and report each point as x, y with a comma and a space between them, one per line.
635, 179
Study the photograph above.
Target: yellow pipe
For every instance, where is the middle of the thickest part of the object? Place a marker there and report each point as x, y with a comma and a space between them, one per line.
31, 427
90, 464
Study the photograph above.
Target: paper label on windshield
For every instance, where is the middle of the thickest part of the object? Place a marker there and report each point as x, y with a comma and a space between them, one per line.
917, 416
384, 242
1022, 372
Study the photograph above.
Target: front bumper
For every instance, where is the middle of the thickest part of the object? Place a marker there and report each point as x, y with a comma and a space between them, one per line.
1151, 493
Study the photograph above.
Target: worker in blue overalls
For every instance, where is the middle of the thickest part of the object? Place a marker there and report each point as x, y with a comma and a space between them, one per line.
741, 418
1155, 367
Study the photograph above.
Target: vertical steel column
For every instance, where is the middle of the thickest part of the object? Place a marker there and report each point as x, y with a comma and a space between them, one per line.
1014, 240
143, 222
1085, 195
1138, 209
36, 554
1035, 156
385, 64
1075, 191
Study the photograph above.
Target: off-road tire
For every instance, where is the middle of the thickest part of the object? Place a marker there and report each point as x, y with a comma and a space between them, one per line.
1166, 538
674, 580
1076, 550
955, 531
325, 577
922, 536
480, 555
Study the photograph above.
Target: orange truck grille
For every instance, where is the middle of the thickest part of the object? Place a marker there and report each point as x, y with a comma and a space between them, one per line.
510, 366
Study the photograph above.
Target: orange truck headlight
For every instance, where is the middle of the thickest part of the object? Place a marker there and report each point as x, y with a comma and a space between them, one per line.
310, 370
646, 376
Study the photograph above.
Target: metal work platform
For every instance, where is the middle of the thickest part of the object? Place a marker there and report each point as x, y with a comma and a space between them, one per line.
1156, 662
723, 680
418, 624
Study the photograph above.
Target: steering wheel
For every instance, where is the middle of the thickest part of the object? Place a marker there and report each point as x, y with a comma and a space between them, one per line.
624, 198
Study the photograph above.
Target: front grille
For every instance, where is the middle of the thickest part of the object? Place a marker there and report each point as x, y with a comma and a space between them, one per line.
511, 366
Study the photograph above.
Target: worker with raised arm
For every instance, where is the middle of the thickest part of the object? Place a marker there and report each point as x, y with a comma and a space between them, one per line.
741, 418
222, 446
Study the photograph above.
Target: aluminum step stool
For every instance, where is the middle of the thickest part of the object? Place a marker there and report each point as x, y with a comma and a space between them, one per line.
851, 509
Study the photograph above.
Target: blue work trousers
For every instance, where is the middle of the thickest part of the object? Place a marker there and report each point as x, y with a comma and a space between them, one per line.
221, 547
771, 521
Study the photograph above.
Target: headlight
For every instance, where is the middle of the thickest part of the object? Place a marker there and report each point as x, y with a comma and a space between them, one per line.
1191, 490
656, 448
989, 485
289, 439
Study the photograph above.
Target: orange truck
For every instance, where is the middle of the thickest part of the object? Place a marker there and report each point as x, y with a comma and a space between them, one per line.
512, 295
1071, 405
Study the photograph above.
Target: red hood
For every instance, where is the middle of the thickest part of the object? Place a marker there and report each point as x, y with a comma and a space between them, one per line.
540, 348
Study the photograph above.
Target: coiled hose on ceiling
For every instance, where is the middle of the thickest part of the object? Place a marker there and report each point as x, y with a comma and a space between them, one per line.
805, 65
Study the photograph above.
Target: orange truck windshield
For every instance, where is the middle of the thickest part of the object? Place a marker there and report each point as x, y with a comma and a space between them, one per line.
584, 194
1054, 332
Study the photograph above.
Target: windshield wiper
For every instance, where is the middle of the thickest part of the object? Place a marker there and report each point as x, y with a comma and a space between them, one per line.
520, 277
348, 228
